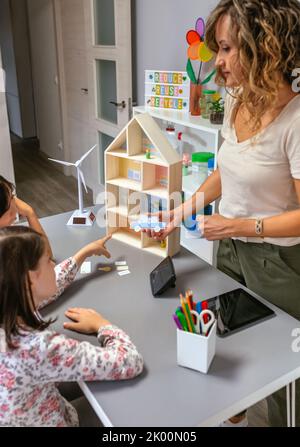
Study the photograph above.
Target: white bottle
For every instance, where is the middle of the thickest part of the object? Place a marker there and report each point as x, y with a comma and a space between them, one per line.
172, 137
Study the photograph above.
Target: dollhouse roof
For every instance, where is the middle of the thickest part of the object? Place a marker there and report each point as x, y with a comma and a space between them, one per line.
132, 135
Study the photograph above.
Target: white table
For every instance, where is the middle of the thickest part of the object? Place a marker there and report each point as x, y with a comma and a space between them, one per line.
248, 366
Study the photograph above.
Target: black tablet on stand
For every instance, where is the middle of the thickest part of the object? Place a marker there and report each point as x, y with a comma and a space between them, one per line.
163, 277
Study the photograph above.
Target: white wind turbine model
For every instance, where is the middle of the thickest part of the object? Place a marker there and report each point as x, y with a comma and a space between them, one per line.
80, 217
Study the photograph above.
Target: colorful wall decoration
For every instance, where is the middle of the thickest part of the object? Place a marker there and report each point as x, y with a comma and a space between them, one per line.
167, 90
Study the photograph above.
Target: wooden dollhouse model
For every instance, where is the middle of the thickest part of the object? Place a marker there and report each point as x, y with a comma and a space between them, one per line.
142, 171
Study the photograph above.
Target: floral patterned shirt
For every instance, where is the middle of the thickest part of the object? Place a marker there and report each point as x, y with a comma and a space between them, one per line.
65, 273
29, 374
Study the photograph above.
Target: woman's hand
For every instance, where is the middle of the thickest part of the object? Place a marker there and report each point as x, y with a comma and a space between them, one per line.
172, 219
86, 321
216, 227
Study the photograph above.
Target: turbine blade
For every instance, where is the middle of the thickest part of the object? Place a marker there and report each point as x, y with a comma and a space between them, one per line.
65, 163
82, 179
87, 154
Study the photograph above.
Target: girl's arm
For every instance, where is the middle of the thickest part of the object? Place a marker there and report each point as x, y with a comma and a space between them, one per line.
284, 225
96, 248
28, 212
64, 359
66, 271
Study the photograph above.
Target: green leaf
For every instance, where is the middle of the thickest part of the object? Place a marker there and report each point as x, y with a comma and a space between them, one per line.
218, 106
190, 72
208, 78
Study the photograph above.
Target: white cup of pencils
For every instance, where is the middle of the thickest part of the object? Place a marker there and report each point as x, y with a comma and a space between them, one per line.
196, 334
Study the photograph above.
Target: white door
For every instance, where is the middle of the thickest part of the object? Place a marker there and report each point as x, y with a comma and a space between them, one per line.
109, 70
72, 54
6, 160
45, 76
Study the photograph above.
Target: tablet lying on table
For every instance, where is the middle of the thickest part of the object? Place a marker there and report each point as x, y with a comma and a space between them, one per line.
236, 310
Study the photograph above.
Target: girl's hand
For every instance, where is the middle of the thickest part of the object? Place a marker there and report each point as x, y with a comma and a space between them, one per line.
86, 321
23, 208
97, 248
216, 227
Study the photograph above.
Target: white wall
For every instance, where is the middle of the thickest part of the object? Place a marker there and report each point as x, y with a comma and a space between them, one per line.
6, 162
23, 66
14, 41
161, 27
9, 64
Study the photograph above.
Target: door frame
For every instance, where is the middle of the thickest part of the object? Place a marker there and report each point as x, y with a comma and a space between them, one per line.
62, 82
121, 52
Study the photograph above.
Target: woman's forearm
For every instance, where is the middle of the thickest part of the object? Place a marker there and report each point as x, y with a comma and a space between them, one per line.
283, 225
208, 192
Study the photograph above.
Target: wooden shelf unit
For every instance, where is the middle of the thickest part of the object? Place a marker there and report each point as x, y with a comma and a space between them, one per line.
133, 181
207, 137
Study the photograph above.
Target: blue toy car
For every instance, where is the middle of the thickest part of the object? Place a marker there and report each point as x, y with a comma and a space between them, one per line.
146, 223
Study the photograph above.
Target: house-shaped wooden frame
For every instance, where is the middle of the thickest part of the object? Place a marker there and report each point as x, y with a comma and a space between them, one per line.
136, 184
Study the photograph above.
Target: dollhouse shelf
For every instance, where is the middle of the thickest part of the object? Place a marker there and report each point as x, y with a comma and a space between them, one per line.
207, 137
141, 158
123, 211
125, 183
152, 180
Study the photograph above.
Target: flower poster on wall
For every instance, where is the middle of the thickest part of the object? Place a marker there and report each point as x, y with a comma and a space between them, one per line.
167, 90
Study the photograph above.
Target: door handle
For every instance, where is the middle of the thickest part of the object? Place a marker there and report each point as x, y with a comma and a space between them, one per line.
85, 90
118, 104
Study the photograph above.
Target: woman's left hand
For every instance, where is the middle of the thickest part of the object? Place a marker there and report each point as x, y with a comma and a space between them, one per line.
215, 227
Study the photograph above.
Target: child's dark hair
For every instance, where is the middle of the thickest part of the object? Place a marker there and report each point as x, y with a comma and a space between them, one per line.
21, 248
7, 189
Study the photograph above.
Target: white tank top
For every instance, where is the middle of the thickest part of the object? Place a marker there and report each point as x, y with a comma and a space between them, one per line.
258, 175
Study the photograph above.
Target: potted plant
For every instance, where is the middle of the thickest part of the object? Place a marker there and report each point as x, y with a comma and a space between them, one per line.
217, 111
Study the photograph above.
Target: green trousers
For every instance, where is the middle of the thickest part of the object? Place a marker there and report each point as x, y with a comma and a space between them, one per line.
273, 272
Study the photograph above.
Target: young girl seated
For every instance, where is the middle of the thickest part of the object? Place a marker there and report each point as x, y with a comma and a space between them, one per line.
65, 271
33, 358
11, 205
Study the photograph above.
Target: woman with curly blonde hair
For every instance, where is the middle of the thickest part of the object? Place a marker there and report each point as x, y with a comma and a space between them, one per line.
257, 46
